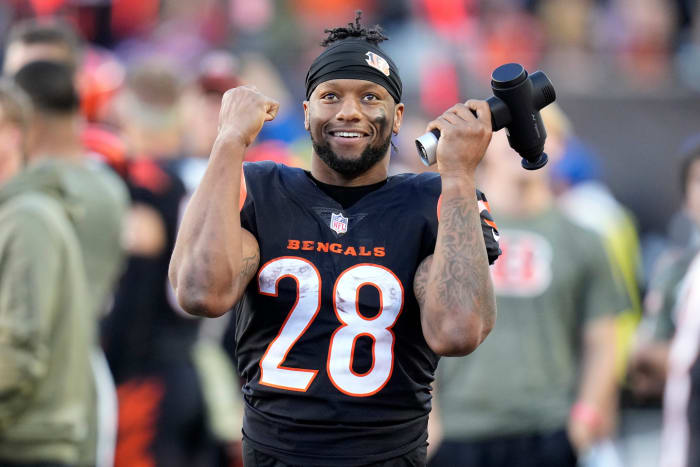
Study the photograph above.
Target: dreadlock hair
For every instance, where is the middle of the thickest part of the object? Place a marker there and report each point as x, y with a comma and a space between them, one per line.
373, 35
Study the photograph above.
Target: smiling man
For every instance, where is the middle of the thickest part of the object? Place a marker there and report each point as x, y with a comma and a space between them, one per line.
348, 134
347, 289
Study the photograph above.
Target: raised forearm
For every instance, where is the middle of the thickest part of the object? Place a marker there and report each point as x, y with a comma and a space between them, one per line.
214, 258
459, 307
207, 259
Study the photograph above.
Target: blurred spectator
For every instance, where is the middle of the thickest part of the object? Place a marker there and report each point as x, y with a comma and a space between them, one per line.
288, 126
569, 29
649, 360
642, 35
55, 136
681, 431
31, 39
589, 202
149, 341
683, 228
648, 367
102, 198
45, 328
673, 311
541, 389
510, 35
218, 72
150, 113
97, 76
688, 57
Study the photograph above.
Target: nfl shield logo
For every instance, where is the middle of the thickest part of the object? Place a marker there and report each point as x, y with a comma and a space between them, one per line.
339, 223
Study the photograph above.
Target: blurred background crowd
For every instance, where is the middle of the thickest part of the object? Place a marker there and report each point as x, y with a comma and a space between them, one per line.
150, 75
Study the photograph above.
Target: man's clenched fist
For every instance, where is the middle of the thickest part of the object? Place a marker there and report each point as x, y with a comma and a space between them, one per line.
243, 111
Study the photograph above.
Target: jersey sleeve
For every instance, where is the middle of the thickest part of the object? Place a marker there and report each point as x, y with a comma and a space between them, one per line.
488, 228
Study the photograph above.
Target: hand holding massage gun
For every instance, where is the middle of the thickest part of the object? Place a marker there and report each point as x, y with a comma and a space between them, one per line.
516, 103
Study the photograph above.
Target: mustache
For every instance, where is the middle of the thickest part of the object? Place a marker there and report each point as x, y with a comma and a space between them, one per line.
351, 167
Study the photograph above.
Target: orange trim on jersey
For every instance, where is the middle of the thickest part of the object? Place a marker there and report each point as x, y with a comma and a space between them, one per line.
243, 194
344, 324
490, 223
291, 311
480, 204
484, 205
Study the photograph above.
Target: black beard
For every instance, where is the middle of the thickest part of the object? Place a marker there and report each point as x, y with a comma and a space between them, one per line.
351, 168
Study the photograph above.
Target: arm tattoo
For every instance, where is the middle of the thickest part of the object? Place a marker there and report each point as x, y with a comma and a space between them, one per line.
420, 281
462, 275
249, 265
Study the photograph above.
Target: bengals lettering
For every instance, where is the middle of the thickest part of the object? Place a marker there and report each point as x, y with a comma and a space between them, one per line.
337, 248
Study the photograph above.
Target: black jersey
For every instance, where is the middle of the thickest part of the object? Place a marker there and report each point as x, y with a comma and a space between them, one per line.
146, 327
328, 333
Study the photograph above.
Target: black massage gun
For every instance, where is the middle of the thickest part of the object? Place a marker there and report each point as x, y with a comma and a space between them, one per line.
516, 103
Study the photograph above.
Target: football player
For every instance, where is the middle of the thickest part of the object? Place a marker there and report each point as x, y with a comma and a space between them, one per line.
348, 289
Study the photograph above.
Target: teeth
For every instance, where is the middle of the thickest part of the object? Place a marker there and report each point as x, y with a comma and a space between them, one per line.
347, 134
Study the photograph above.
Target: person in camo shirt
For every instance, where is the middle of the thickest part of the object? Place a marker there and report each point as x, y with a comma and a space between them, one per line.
59, 162
45, 376
540, 390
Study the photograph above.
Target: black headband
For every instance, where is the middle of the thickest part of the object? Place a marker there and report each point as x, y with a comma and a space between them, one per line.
355, 59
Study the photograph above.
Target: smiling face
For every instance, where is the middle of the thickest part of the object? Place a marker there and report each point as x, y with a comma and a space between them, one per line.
350, 122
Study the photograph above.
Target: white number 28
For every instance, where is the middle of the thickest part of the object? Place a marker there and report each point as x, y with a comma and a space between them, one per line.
342, 343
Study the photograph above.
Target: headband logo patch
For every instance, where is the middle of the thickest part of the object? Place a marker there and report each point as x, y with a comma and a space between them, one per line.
375, 61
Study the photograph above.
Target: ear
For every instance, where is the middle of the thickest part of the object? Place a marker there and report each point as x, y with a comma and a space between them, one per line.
306, 115
398, 117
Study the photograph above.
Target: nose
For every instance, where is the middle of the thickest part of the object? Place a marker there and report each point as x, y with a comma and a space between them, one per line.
349, 110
